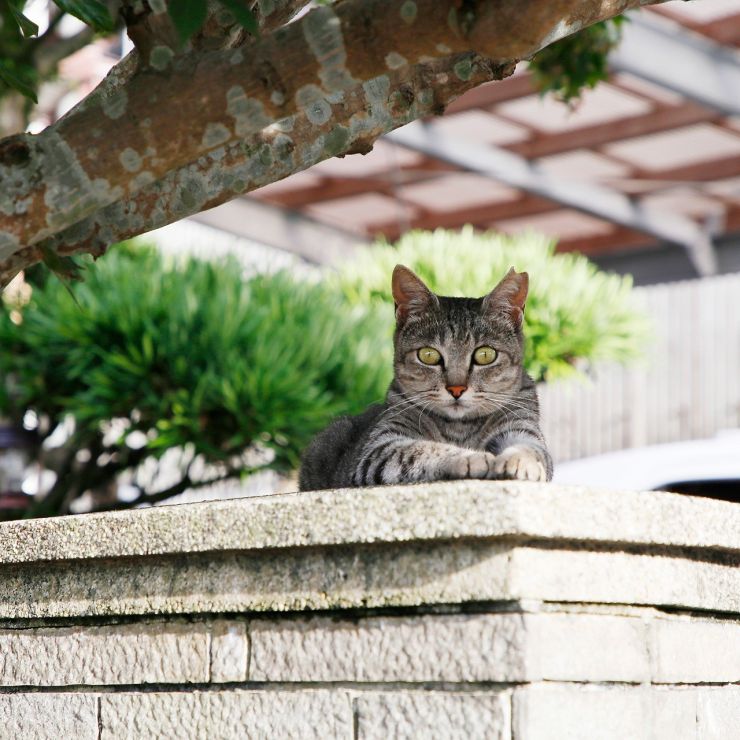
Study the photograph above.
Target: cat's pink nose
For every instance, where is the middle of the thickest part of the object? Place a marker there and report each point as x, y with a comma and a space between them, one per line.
456, 390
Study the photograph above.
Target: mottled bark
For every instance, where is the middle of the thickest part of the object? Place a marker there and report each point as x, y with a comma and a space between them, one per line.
190, 131
289, 146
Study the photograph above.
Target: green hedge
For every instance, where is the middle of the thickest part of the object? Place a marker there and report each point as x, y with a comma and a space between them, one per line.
189, 354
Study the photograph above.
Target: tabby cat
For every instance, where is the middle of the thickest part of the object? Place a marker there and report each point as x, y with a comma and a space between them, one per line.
460, 404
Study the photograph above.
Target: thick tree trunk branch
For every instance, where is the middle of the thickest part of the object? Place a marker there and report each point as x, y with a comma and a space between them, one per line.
213, 124
278, 151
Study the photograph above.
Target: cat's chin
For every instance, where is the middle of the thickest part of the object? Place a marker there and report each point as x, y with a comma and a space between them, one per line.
458, 411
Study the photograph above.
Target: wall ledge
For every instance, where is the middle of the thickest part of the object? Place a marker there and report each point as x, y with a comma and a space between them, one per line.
444, 543
386, 514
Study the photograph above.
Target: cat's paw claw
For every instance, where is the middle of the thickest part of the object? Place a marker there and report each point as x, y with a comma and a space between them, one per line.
519, 463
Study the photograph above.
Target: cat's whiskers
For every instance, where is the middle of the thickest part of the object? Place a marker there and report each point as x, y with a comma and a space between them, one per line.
424, 408
503, 401
418, 394
512, 412
406, 404
510, 408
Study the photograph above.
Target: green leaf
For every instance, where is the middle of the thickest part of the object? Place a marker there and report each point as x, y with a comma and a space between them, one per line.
92, 12
576, 62
188, 16
243, 15
27, 26
17, 78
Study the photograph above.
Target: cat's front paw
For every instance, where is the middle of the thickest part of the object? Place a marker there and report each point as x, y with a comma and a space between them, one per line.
519, 463
469, 464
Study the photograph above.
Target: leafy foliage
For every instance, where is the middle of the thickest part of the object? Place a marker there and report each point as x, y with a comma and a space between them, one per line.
242, 14
188, 16
576, 62
18, 42
190, 356
26, 26
17, 71
575, 312
92, 12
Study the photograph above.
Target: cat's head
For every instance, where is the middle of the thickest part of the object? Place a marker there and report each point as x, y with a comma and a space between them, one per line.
458, 357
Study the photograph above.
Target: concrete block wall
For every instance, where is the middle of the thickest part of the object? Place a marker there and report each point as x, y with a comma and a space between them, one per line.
465, 642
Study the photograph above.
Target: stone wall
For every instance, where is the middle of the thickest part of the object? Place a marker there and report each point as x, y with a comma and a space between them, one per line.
456, 610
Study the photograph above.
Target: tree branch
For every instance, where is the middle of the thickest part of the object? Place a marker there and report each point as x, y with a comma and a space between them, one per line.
273, 154
121, 73
205, 105
157, 42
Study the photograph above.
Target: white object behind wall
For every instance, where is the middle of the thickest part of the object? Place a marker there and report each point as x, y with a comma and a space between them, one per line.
686, 388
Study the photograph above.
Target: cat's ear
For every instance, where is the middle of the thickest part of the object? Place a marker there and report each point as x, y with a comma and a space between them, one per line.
410, 294
508, 297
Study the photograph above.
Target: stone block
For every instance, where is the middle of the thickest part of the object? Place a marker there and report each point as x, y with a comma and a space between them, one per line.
440, 543
583, 575
432, 715
465, 647
283, 580
573, 712
148, 652
686, 650
427, 511
229, 652
48, 716
585, 647
226, 715
718, 713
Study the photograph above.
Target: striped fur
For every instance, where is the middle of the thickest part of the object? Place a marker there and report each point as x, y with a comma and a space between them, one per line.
422, 432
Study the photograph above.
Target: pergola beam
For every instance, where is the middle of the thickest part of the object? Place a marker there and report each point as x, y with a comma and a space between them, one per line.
663, 52
663, 118
590, 198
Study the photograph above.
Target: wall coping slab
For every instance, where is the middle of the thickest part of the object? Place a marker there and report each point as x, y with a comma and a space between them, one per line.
387, 514
397, 546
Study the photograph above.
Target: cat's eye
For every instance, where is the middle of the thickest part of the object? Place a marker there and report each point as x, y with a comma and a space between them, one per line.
484, 355
429, 356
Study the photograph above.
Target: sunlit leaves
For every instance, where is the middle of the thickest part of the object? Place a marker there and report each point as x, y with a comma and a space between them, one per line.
192, 354
577, 62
